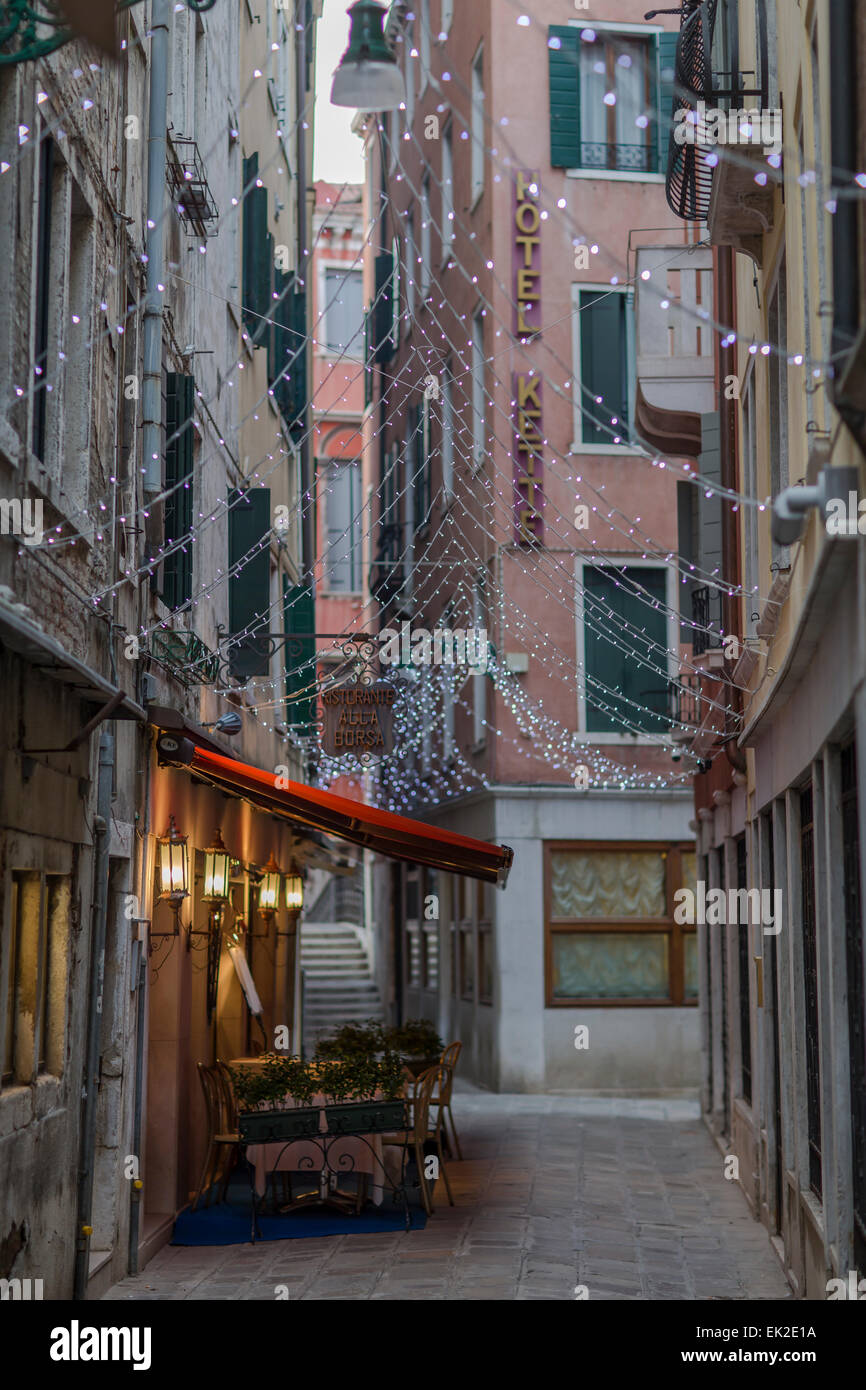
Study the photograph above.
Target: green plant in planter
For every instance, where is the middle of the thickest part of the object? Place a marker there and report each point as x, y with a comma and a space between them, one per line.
353, 1040
343, 1080
415, 1038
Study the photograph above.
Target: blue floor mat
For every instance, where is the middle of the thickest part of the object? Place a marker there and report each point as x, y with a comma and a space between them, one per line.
229, 1222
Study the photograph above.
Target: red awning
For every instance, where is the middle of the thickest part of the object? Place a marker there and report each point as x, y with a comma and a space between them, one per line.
395, 836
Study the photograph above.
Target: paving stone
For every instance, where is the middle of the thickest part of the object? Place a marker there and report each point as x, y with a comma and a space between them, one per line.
626, 1197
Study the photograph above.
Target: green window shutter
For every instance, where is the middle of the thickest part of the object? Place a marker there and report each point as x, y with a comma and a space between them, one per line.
287, 359
417, 465
666, 90
258, 254
299, 616
383, 311
368, 368
564, 96
620, 657
180, 436
249, 586
603, 364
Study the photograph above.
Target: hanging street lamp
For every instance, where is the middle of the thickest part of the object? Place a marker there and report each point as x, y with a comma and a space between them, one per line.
269, 891
173, 870
368, 76
294, 890
216, 873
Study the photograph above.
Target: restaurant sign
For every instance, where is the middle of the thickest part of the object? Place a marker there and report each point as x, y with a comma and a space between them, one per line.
359, 719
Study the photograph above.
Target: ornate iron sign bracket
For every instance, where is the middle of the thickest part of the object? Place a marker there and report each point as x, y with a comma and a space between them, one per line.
31, 29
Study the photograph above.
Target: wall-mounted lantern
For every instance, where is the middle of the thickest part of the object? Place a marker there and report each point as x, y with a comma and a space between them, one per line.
173, 870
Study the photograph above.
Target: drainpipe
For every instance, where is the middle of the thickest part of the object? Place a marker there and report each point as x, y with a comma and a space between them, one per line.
308, 518
102, 825
151, 396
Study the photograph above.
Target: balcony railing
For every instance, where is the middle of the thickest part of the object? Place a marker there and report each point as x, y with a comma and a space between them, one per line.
684, 695
625, 158
707, 617
689, 179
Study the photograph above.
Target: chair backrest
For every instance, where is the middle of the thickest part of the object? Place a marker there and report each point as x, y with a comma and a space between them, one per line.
212, 1088
448, 1061
229, 1100
422, 1089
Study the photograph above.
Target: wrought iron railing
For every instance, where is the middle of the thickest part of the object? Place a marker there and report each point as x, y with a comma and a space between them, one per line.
31, 29
627, 158
707, 619
690, 166
684, 697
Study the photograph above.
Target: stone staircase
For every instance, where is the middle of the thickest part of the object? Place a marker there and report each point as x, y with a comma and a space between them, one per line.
338, 983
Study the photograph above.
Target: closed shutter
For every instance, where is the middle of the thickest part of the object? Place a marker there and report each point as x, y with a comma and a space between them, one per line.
666, 89
564, 97
258, 254
710, 467
603, 365
250, 584
368, 367
383, 310
299, 616
419, 465
177, 567
621, 657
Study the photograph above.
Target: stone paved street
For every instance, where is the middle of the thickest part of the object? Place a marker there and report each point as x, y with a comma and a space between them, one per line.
626, 1198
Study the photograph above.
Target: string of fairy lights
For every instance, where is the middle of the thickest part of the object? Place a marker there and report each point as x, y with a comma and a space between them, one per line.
500, 501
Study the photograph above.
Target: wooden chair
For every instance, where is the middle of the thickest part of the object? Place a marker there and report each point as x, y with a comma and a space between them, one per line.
441, 1096
222, 1141
419, 1133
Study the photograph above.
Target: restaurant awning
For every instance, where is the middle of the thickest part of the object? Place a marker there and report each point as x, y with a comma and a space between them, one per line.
397, 837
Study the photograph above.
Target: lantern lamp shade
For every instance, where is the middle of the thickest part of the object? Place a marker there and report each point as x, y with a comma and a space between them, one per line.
269, 891
294, 890
217, 861
368, 76
173, 863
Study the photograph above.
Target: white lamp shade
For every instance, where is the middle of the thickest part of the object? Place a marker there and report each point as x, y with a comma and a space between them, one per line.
368, 86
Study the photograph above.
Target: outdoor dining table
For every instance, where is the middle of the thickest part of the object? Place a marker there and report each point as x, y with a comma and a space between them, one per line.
364, 1156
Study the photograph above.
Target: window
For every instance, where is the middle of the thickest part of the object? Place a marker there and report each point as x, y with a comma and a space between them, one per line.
179, 468
63, 282
409, 68
750, 520
625, 642
344, 310
343, 509
249, 555
610, 933
744, 976
411, 270
810, 989
34, 987
479, 682
424, 42
478, 133
258, 254
604, 103
447, 443
447, 191
856, 999
777, 366
425, 237
478, 413
603, 349
448, 677
418, 448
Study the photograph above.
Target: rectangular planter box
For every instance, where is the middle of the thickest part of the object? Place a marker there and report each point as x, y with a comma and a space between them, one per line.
280, 1126
366, 1117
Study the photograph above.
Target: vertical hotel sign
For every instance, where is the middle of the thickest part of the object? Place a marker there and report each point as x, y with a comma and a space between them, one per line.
528, 466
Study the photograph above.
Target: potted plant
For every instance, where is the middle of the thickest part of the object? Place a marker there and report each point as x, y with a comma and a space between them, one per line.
417, 1042
349, 1087
353, 1040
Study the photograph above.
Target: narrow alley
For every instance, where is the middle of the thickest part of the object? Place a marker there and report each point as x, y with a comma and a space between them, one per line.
626, 1199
